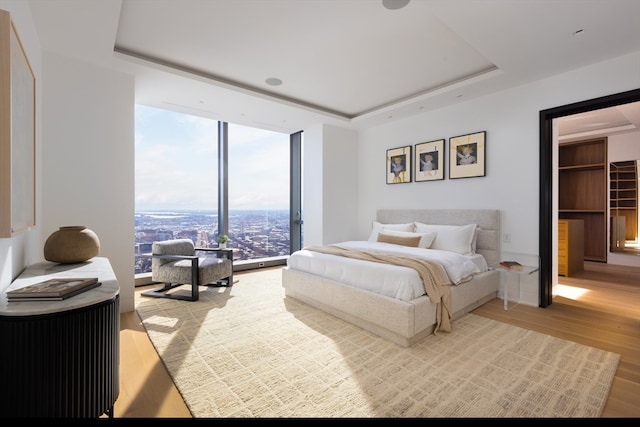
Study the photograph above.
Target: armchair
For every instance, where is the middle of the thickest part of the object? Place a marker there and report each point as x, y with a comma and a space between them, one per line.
175, 263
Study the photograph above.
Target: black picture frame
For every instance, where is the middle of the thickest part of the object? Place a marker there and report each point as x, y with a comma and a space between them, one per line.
429, 161
467, 155
398, 165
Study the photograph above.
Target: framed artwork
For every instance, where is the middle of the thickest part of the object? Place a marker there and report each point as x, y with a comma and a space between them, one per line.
467, 155
17, 133
398, 167
429, 164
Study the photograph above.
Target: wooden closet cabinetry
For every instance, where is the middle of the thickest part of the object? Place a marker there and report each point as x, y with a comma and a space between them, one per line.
583, 192
570, 246
623, 199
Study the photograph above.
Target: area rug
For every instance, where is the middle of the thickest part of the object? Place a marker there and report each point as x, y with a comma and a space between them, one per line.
247, 351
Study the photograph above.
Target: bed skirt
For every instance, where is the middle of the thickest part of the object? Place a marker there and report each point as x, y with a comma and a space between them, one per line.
402, 322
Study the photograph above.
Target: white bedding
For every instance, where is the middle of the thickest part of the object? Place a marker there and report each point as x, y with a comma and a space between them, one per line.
402, 283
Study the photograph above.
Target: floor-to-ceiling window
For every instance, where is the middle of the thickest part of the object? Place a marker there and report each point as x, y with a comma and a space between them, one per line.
180, 177
258, 177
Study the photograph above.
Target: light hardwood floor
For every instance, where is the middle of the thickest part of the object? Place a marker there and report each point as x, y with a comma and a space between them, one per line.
606, 316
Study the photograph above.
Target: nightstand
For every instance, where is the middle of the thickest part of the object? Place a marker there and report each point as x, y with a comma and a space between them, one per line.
527, 270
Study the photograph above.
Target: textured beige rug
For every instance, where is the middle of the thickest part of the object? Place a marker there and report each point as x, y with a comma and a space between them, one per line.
249, 352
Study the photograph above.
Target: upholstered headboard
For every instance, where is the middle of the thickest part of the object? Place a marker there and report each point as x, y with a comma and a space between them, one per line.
488, 244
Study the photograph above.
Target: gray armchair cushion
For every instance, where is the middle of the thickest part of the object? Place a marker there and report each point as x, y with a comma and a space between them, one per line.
210, 268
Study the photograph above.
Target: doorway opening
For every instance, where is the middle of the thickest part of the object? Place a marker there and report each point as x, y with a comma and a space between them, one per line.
546, 219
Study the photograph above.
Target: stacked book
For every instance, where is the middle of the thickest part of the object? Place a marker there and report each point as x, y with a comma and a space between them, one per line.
511, 265
57, 289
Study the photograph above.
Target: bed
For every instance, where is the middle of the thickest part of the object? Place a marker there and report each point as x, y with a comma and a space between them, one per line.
350, 289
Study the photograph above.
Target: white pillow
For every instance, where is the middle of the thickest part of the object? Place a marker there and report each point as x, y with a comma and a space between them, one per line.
426, 239
377, 226
474, 242
452, 238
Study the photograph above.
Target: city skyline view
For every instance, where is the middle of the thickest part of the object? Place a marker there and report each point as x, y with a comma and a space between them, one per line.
254, 234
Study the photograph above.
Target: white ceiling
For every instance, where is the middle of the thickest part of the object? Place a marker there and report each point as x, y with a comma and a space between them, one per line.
351, 63
604, 122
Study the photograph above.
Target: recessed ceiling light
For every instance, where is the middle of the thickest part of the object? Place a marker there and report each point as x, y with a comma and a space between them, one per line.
272, 81
394, 4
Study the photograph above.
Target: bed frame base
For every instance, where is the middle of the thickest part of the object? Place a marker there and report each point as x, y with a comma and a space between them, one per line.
400, 322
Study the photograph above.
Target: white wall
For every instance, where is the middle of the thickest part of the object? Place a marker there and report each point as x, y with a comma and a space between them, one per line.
312, 179
330, 198
340, 197
623, 147
25, 248
84, 158
511, 119
88, 159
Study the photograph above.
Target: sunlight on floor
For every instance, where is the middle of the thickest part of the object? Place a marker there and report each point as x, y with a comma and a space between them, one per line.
164, 322
570, 292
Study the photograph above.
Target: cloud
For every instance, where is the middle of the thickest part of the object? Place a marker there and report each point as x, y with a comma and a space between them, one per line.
176, 164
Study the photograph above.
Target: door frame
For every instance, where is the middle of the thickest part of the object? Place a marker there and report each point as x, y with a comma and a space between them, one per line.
547, 153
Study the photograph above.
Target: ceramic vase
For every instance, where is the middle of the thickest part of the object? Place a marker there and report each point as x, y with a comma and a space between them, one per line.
71, 244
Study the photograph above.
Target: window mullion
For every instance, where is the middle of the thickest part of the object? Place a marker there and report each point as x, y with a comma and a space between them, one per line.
223, 178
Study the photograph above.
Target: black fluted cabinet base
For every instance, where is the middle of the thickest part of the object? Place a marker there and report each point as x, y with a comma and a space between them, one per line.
63, 364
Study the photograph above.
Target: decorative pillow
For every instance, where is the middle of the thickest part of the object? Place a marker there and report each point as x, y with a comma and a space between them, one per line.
426, 239
475, 240
411, 241
377, 226
452, 238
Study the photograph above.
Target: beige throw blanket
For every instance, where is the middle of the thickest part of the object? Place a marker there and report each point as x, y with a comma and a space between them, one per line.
434, 277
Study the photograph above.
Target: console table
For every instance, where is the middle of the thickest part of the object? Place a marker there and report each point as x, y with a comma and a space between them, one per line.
61, 358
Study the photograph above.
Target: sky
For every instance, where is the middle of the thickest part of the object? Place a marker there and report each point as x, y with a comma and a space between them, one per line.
176, 164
